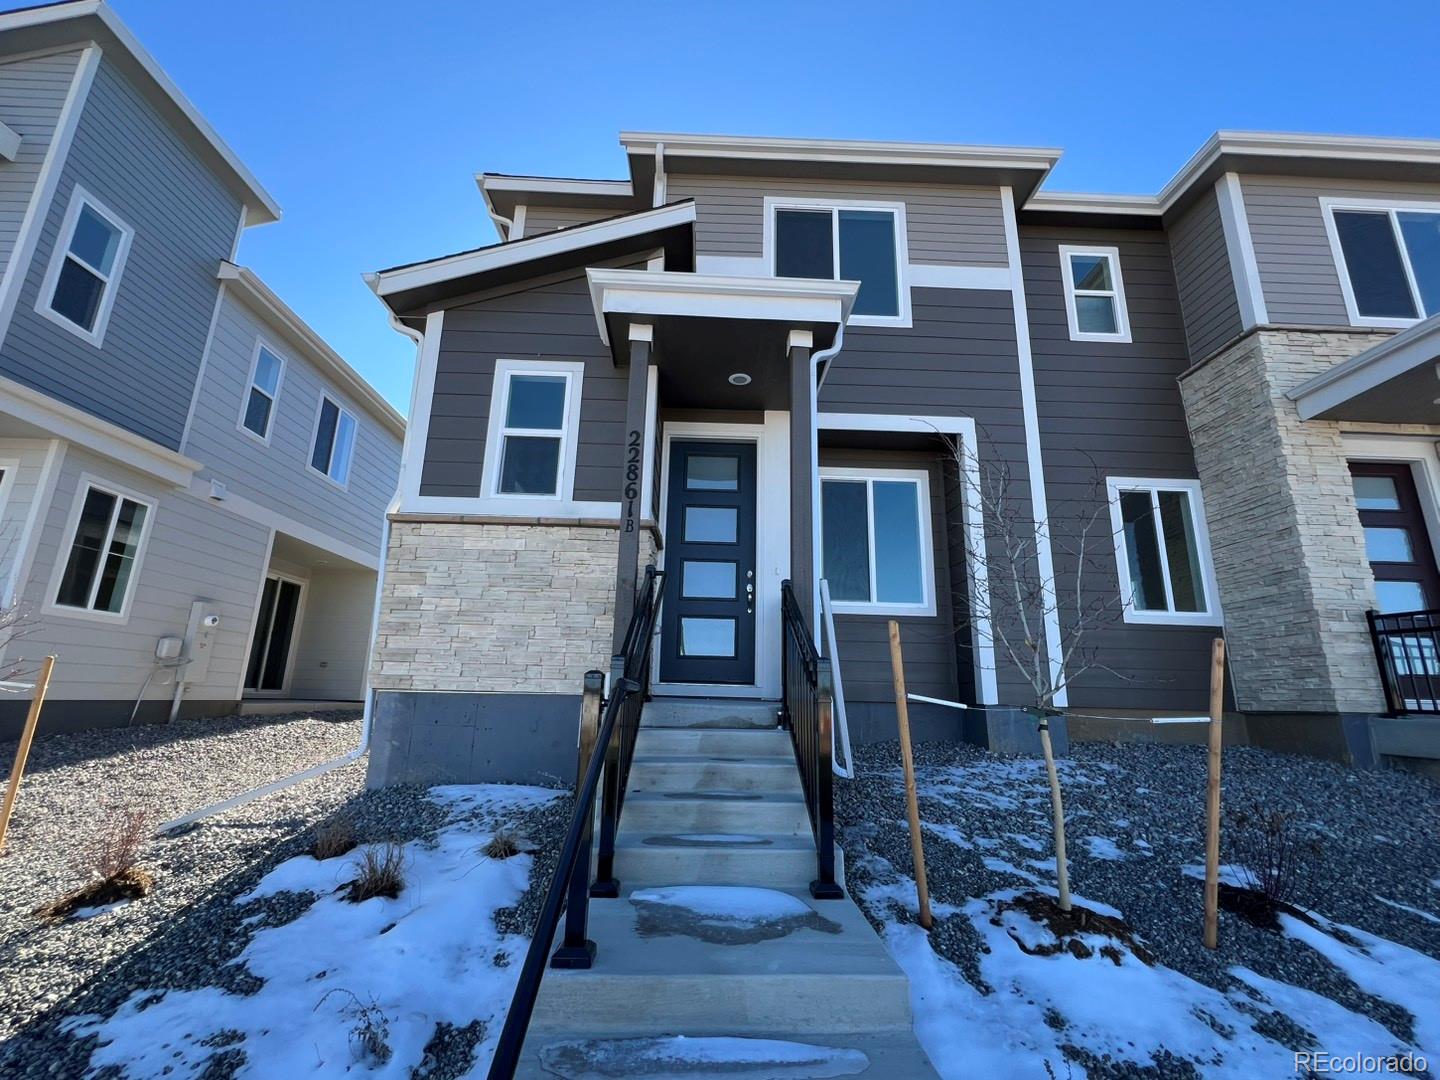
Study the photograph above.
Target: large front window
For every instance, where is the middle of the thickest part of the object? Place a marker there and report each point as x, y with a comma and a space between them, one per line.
1161, 552
1390, 261
841, 243
875, 541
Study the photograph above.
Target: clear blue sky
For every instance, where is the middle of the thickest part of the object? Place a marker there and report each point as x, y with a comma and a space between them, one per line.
368, 120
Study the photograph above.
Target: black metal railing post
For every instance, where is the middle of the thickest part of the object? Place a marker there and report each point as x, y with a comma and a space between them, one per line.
1383, 664
1407, 652
576, 950
606, 886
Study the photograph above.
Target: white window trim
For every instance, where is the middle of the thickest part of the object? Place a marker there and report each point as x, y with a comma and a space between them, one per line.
1328, 206
326, 395
261, 343
80, 197
902, 247
1122, 311
573, 372
1211, 616
83, 485
927, 552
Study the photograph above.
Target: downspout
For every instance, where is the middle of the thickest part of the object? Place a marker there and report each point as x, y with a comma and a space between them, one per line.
367, 717
821, 362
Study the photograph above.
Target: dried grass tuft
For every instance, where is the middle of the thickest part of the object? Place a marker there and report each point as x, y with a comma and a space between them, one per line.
380, 871
334, 838
502, 845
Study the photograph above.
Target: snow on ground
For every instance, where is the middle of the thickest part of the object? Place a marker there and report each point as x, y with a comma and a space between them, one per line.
427, 957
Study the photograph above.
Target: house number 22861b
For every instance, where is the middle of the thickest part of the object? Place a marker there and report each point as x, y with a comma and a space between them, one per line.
632, 478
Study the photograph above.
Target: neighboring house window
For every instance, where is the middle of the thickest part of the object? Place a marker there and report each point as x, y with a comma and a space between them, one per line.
534, 420
1389, 260
875, 540
84, 273
1161, 551
845, 243
104, 551
334, 442
259, 407
1094, 294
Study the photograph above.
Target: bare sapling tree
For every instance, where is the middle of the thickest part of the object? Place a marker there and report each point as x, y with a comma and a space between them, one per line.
1041, 625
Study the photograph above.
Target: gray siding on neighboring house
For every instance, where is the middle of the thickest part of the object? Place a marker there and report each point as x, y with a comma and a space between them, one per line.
193, 551
548, 322
20, 489
1298, 275
32, 93
1203, 278
185, 221
947, 224
1105, 410
543, 219
334, 635
278, 475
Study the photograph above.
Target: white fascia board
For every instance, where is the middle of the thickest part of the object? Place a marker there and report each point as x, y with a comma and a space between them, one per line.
321, 354
9, 142
387, 282
110, 440
1402, 353
260, 207
547, 185
645, 292
1097, 203
840, 150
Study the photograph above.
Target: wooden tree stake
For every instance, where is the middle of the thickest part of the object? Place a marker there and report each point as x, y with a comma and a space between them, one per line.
1057, 812
1212, 795
22, 752
907, 759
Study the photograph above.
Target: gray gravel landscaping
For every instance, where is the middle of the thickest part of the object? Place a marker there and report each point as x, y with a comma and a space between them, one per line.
1135, 820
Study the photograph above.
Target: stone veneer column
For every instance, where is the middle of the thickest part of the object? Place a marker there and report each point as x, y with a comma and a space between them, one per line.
1288, 548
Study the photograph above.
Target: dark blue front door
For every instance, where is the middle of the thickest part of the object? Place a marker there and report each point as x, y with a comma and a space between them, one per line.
707, 632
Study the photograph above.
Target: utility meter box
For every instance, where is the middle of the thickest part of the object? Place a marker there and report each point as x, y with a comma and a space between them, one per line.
200, 641
168, 648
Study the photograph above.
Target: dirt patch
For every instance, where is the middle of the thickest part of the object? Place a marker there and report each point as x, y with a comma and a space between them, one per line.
1067, 928
129, 884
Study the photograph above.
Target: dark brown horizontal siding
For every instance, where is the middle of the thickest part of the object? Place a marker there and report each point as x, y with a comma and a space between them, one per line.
1203, 279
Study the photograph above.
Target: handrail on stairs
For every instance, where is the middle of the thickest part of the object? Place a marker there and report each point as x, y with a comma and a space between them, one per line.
608, 751
844, 761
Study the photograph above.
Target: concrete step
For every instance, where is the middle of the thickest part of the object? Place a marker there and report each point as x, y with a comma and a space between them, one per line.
888, 1055
677, 712
727, 962
697, 772
770, 861
721, 742
716, 812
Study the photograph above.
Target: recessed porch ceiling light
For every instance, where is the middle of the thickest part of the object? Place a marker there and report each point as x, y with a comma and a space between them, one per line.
739, 379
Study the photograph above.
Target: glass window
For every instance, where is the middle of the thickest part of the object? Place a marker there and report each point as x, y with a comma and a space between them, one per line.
81, 284
1396, 596
711, 524
264, 388
1388, 545
844, 245
1094, 298
334, 442
101, 563
532, 436
707, 637
874, 540
1159, 543
701, 579
712, 472
1392, 258
1375, 493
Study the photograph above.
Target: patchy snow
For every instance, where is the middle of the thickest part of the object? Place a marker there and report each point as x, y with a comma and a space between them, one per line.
425, 957
949, 832
1230, 874
97, 910
1102, 847
1406, 907
677, 1057
733, 902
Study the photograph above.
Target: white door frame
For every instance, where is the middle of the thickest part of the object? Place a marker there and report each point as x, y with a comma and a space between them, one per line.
772, 544
1423, 457
304, 585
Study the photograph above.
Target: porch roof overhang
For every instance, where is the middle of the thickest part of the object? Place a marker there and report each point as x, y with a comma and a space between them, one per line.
706, 327
1395, 382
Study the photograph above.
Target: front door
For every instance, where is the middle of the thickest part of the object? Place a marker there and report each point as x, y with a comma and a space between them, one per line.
1396, 540
268, 669
707, 625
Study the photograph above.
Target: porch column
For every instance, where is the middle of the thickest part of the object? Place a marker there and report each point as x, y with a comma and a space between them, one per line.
632, 456
802, 472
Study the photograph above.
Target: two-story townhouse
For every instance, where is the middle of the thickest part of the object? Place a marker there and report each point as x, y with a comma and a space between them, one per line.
192, 483
738, 365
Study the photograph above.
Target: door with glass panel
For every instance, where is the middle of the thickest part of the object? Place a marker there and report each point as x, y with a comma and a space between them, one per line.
269, 667
708, 620
1396, 540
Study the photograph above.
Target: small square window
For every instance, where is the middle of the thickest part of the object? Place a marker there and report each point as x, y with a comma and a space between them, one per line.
1094, 294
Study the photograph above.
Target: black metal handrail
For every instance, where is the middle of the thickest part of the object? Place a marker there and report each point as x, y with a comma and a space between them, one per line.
1407, 650
807, 710
570, 887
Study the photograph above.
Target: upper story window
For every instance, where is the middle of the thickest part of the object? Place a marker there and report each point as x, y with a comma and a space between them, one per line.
1094, 294
1388, 257
84, 272
1162, 554
258, 410
875, 541
334, 441
106, 531
534, 414
845, 242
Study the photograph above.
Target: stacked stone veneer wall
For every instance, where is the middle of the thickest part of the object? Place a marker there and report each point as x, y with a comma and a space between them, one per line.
1288, 548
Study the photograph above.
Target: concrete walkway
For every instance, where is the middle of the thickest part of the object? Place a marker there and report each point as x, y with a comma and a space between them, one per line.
715, 958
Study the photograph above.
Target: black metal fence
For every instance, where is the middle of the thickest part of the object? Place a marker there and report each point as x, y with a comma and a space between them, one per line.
1407, 649
808, 712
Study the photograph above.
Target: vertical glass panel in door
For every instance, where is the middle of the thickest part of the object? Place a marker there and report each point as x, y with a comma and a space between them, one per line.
712, 472
845, 542
804, 244
707, 637
898, 570
702, 579
1375, 493
1394, 596
277, 654
867, 255
711, 524
1388, 545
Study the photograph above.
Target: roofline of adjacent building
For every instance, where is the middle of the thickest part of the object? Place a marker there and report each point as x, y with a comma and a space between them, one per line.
247, 283
260, 206
678, 144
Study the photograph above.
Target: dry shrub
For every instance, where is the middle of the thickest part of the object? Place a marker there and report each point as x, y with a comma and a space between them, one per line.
502, 845
109, 860
1278, 858
370, 1033
380, 871
334, 838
